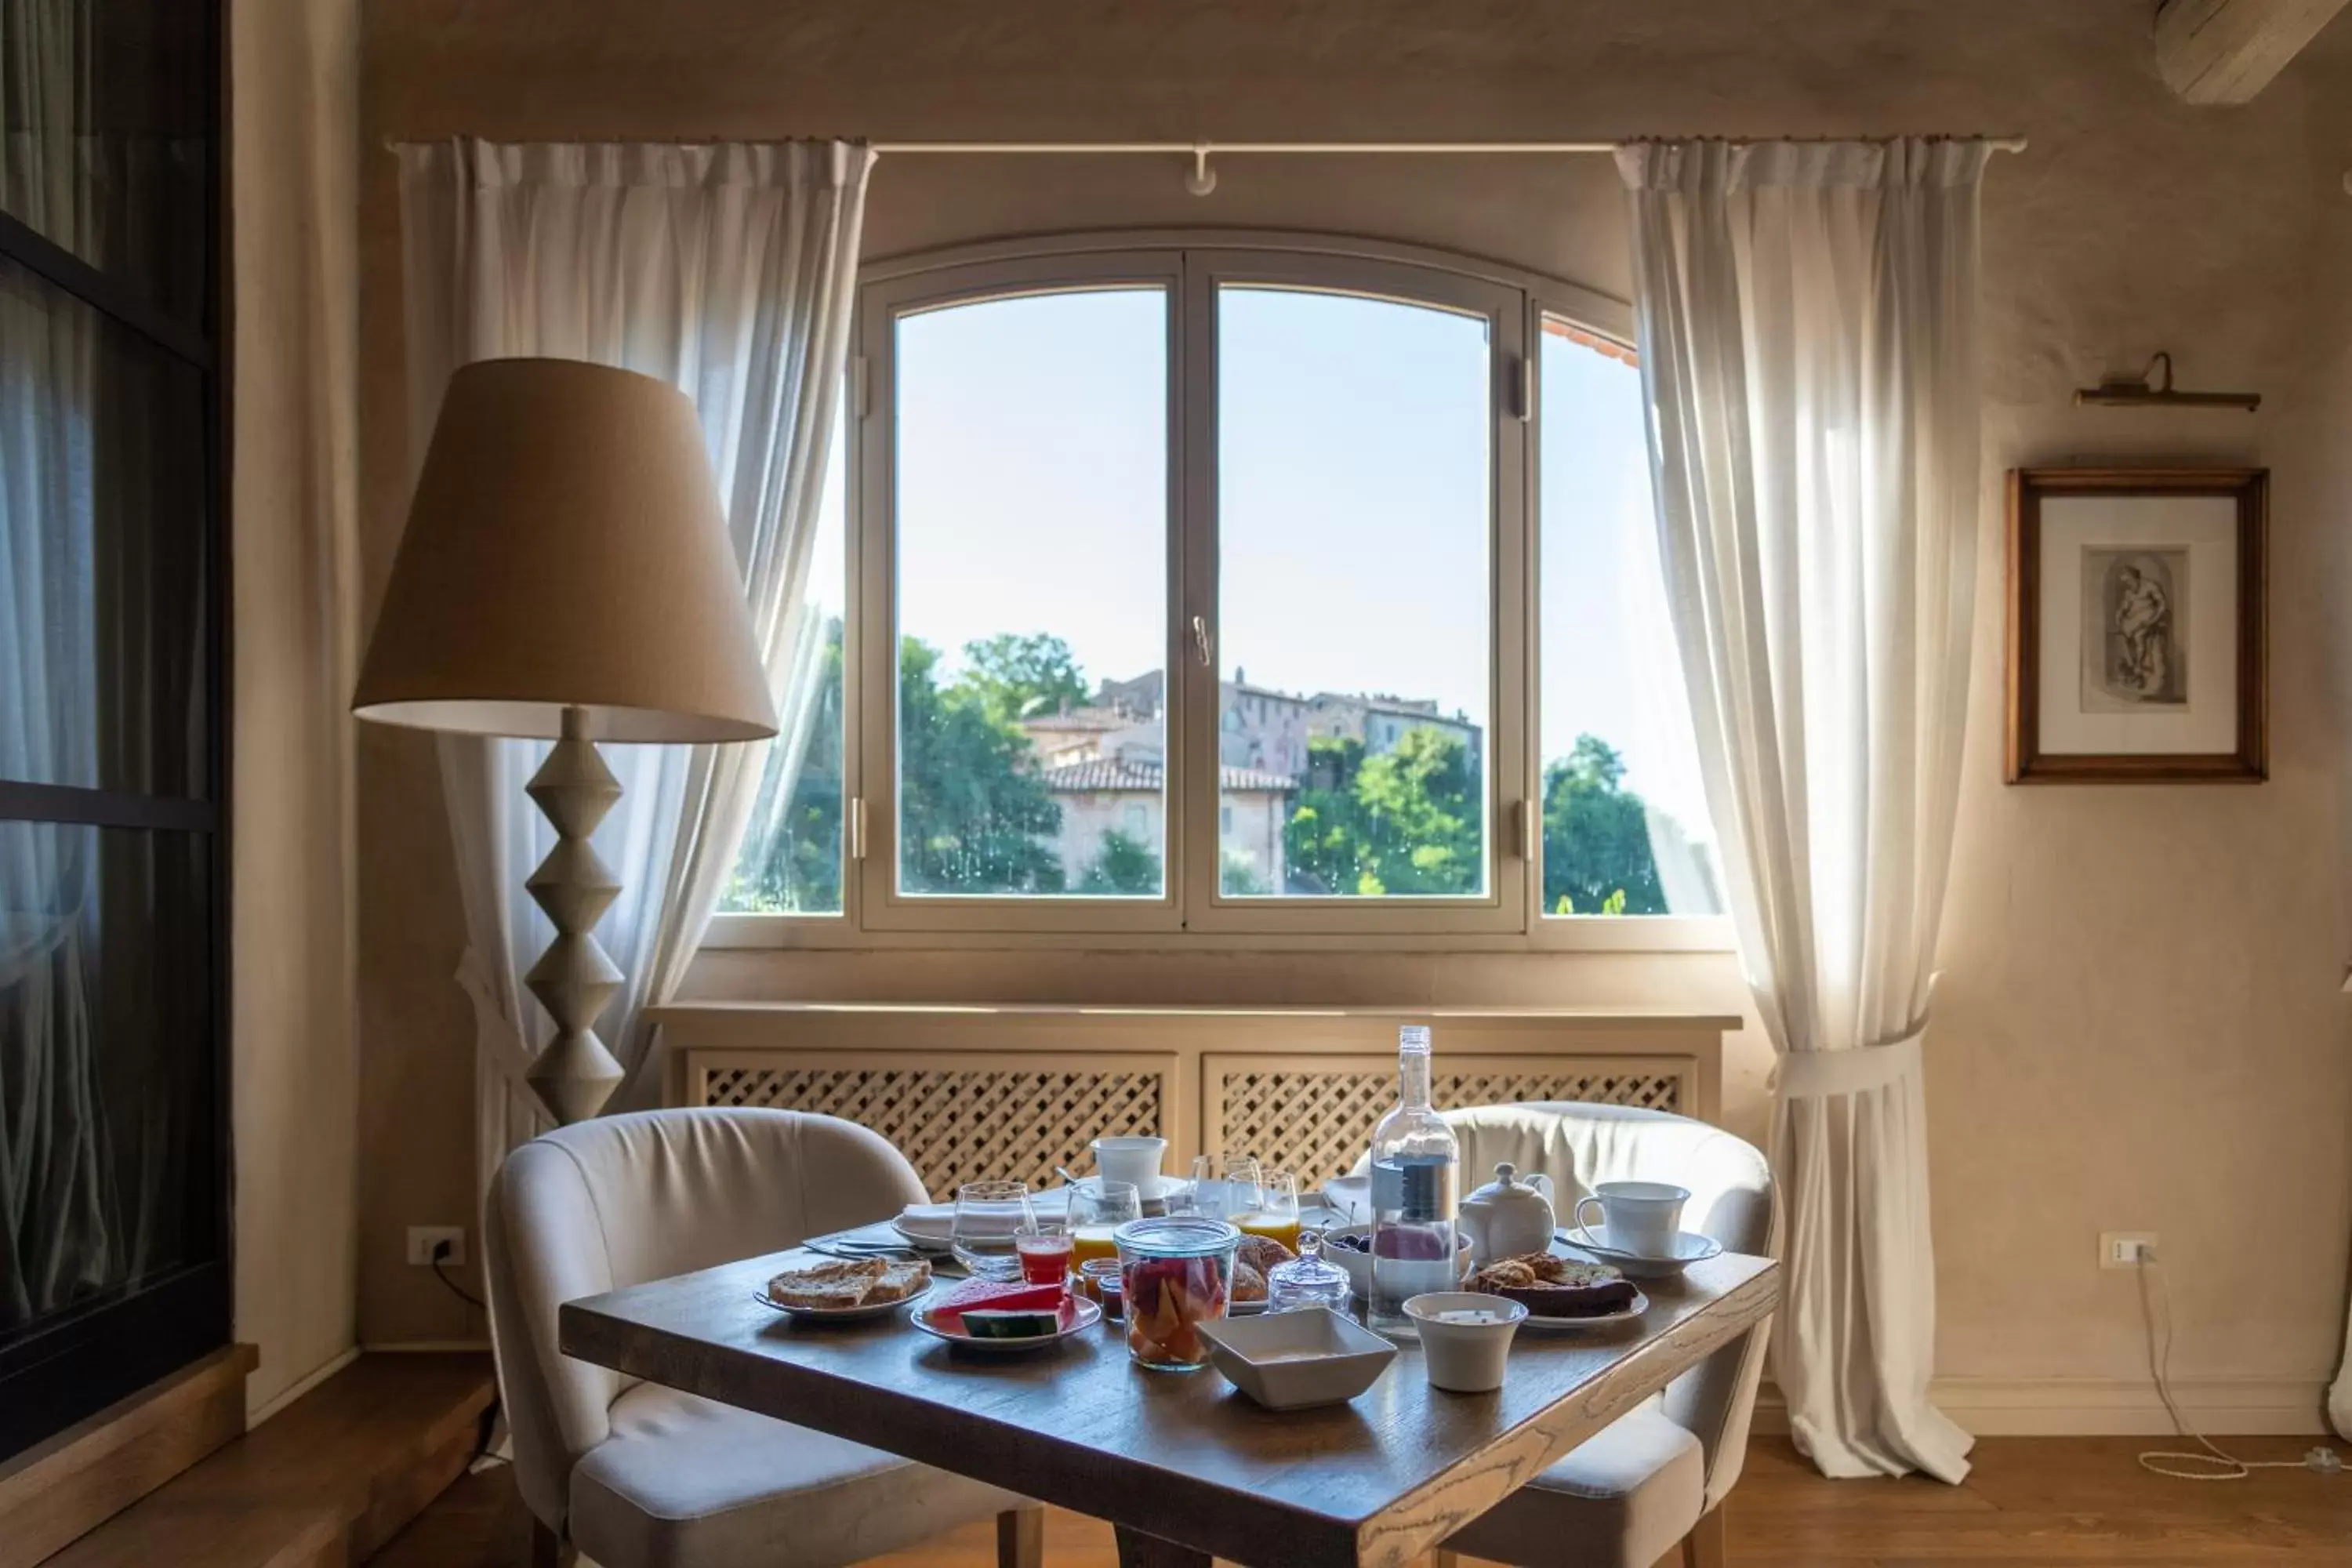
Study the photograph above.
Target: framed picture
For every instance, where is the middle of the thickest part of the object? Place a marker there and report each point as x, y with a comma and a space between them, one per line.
2136, 639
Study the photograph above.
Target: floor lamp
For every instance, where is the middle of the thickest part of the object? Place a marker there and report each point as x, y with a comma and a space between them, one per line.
567, 575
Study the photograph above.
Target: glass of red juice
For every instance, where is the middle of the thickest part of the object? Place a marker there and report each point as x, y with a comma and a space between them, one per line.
1045, 1255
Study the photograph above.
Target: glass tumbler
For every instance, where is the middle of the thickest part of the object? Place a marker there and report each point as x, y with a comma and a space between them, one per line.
1175, 1274
1096, 1211
984, 1235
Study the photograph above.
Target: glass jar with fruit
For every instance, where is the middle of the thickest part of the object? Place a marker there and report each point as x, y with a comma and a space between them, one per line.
1175, 1274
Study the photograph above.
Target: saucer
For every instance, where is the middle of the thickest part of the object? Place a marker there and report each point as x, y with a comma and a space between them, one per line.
1159, 1189
1689, 1247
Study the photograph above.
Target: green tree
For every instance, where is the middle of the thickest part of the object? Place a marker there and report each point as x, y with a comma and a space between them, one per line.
972, 816
791, 862
1015, 676
1596, 837
1405, 822
1125, 865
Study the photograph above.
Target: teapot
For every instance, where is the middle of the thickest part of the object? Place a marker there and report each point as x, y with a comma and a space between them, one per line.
1508, 1216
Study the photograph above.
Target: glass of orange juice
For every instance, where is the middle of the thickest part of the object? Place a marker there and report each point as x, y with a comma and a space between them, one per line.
1275, 1213
1098, 1207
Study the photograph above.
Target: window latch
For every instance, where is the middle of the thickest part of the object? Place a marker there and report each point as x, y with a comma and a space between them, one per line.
857, 805
1202, 642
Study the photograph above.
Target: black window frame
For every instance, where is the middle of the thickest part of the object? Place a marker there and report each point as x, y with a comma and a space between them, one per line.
76, 1362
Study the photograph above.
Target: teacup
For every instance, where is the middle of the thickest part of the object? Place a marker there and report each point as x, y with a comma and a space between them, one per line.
1640, 1218
1133, 1160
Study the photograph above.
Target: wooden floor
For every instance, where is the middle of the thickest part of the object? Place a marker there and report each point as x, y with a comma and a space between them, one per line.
2031, 1502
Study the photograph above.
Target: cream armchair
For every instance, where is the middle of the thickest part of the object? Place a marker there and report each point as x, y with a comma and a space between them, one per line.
1658, 1475
635, 1475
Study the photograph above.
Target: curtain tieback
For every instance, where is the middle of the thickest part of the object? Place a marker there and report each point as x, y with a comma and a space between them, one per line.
1819, 1075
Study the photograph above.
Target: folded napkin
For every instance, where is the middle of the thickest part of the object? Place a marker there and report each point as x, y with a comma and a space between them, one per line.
935, 1221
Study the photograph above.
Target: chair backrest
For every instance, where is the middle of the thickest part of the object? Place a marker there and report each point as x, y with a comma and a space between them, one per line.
624, 1199
1578, 1147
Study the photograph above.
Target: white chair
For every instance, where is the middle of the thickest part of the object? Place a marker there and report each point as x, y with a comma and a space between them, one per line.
1657, 1475
633, 1475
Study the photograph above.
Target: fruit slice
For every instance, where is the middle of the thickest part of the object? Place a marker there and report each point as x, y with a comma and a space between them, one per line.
990, 1295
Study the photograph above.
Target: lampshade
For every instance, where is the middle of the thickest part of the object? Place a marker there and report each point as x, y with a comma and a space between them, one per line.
566, 549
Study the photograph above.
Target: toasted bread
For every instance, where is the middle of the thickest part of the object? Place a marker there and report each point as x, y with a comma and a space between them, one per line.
843, 1282
900, 1281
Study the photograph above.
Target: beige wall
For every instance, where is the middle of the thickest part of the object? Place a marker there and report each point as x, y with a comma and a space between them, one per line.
293, 191
2140, 1027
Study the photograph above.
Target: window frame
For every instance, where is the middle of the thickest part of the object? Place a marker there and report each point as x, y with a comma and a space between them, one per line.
1193, 912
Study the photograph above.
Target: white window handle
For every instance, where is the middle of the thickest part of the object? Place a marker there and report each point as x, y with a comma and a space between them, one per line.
1201, 641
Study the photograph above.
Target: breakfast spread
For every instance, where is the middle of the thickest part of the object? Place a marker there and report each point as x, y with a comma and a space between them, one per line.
844, 1283
1551, 1287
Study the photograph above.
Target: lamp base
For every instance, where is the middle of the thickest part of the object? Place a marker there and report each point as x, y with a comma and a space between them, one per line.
574, 979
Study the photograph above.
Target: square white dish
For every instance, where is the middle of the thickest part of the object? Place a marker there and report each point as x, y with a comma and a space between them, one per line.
1292, 1361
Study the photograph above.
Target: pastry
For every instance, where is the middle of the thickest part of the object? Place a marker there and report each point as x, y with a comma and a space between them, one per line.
1262, 1253
1552, 1287
1249, 1284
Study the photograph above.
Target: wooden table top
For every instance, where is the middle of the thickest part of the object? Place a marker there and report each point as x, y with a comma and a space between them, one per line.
1184, 1457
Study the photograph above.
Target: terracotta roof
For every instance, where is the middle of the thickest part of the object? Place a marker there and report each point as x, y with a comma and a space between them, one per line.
1107, 774
1082, 718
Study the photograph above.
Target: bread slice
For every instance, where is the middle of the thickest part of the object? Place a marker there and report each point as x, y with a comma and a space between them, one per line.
900, 1281
843, 1282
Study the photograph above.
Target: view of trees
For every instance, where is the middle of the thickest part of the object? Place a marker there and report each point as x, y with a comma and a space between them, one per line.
1402, 822
976, 818
1597, 859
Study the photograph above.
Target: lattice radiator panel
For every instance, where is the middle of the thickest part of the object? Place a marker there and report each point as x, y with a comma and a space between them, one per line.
964, 1125
1321, 1122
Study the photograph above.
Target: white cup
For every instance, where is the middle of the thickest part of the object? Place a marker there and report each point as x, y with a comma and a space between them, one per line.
1134, 1161
1644, 1218
1464, 1357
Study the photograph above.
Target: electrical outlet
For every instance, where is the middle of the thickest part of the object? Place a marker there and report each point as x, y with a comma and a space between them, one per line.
2126, 1249
423, 1238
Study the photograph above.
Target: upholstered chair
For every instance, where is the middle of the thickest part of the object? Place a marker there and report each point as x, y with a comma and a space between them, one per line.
633, 1475
1657, 1475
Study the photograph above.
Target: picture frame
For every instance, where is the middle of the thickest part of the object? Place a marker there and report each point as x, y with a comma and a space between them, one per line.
2136, 642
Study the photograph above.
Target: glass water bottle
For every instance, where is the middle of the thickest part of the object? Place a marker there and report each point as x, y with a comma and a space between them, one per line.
1416, 1168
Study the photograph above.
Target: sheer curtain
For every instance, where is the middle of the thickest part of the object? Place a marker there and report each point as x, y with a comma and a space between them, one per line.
1809, 346
95, 637
728, 271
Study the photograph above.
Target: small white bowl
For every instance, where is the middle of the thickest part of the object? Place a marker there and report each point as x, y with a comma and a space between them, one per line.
1358, 1265
1464, 1358
1290, 1361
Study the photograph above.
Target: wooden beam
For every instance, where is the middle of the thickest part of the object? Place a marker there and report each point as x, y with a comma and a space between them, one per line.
2226, 51
55, 1491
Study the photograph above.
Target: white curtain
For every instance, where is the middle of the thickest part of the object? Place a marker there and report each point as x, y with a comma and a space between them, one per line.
1808, 321
728, 270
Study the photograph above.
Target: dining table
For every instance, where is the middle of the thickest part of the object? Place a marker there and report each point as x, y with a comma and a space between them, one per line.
1183, 1466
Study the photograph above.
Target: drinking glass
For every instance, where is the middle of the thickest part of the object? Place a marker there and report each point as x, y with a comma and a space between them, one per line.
1097, 1209
989, 1217
1043, 1249
1275, 1211
1225, 1185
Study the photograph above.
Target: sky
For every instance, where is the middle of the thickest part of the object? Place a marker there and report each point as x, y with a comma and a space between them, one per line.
1352, 454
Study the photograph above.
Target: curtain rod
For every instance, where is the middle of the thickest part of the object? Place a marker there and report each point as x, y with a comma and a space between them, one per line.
1998, 143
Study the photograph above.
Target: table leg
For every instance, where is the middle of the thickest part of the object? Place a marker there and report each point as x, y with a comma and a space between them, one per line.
1137, 1550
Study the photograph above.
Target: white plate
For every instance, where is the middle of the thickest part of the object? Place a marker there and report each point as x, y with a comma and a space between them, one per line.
1086, 1317
1689, 1247
921, 1241
1540, 1324
839, 1314
1350, 1196
1159, 1189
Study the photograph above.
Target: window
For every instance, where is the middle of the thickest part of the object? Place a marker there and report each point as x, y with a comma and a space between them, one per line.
114, 1220
1194, 590
1623, 818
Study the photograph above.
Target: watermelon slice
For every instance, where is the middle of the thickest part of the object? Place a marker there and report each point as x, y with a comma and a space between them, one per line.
993, 1295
